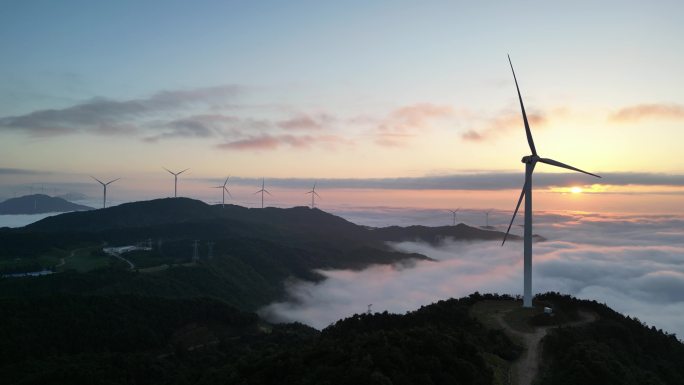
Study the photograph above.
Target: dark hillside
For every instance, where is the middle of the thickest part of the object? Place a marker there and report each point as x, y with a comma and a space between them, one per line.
615, 349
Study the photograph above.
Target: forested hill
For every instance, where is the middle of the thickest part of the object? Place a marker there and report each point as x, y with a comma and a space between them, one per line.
253, 251
299, 220
141, 340
38, 204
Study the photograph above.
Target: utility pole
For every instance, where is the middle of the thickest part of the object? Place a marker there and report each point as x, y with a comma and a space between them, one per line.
195, 255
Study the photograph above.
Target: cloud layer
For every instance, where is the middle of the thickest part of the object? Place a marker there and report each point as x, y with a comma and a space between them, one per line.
635, 264
469, 181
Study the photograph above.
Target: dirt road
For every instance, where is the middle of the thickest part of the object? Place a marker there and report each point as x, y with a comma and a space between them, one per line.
527, 366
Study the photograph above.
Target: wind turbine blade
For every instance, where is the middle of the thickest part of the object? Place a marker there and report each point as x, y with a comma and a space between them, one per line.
522, 194
563, 165
99, 181
170, 172
224, 187
266, 191
112, 181
183, 171
317, 194
257, 192
226, 182
522, 107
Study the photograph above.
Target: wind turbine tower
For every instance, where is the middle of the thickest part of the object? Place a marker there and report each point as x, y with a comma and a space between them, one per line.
175, 179
262, 191
313, 195
530, 162
104, 187
224, 190
454, 214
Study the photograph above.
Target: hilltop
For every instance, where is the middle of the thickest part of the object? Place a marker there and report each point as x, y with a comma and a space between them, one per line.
253, 251
144, 340
38, 204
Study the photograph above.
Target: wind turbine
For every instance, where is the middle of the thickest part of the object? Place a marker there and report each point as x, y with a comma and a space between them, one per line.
313, 194
487, 218
262, 191
104, 187
175, 179
530, 161
224, 189
454, 213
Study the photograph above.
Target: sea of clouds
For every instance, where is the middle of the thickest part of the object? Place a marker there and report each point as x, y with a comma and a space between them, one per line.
633, 263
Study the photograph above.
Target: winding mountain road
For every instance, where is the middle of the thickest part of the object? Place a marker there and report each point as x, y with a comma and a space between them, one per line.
527, 366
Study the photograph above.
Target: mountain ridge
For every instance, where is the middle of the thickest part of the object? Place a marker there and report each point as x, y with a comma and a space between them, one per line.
39, 204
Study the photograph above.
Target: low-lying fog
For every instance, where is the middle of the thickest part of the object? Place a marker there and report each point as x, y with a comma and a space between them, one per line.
634, 264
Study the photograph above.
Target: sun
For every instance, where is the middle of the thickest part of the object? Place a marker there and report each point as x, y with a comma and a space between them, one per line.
575, 190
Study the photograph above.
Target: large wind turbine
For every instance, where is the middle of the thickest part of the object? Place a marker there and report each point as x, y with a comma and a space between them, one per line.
454, 213
104, 187
175, 179
313, 194
224, 189
262, 191
530, 161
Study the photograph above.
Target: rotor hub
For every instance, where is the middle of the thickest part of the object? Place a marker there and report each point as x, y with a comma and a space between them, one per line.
529, 159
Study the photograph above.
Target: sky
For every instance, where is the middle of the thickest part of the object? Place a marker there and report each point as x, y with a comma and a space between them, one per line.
357, 91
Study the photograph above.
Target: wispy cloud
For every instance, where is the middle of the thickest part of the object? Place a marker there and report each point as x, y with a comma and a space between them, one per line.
271, 142
206, 126
21, 171
642, 112
503, 122
107, 116
404, 123
306, 122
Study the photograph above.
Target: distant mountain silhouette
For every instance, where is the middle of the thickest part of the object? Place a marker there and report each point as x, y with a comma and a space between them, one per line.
39, 204
436, 235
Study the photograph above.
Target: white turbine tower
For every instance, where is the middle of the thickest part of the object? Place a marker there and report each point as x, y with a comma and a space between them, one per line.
104, 187
313, 194
262, 191
175, 179
454, 213
224, 190
530, 161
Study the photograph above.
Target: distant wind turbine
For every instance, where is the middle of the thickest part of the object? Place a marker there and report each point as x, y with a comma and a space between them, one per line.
224, 190
104, 187
313, 194
487, 218
262, 191
530, 161
175, 179
454, 213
